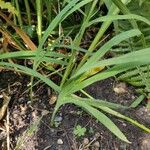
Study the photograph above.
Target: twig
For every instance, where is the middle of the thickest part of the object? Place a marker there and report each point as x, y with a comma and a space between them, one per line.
7, 130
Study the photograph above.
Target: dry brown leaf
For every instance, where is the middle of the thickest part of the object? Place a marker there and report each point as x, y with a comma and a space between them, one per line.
20, 32
5, 103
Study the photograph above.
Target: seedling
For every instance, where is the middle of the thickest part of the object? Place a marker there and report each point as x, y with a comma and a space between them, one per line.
79, 131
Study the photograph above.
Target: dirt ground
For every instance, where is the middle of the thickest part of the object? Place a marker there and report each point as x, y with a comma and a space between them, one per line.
29, 121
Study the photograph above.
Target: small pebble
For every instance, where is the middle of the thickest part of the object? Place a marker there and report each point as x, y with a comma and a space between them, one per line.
120, 88
85, 141
60, 142
145, 143
143, 113
53, 99
29, 102
133, 97
58, 118
52, 130
96, 144
15, 115
23, 109
97, 135
124, 124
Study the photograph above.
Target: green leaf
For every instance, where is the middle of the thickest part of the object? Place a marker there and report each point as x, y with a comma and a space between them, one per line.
96, 113
140, 57
119, 17
141, 2
79, 131
72, 87
105, 48
110, 111
31, 72
69, 8
31, 55
137, 101
7, 5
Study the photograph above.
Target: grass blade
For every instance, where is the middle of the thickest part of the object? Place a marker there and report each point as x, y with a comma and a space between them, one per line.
31, 72
99, 116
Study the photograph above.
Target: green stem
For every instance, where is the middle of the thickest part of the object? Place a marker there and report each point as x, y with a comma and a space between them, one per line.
57, 106
99, 35
48, 4
77, 41
39, 18
123, 8
113, 10
14, 16
28, 11
19, 14
86, 94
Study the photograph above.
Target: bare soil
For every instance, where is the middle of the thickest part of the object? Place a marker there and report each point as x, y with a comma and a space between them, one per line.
23, 113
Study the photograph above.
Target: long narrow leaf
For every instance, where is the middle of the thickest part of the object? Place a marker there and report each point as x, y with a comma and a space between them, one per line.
140, 57
70, 8
31, 72
77, 85
99, 116
119, 17
110, 111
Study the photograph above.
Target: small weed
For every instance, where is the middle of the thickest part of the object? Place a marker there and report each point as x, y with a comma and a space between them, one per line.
79, 131
91, 131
